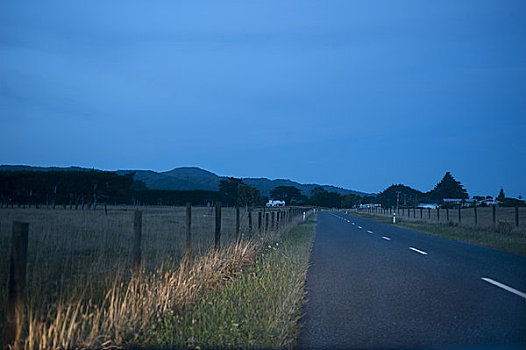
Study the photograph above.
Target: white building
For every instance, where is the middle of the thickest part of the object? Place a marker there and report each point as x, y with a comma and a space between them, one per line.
273, 203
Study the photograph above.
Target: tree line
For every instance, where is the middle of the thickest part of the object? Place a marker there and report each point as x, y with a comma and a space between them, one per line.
89, 188
448, 187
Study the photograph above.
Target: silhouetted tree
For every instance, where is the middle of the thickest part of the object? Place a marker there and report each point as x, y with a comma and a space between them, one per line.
448, 187
289, 194
228, 190
501, 197
321, 197
350, 200
248, 195
369, 199
407, 196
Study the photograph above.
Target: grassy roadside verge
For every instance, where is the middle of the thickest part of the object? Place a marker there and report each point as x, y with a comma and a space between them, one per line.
259, 308
501, 238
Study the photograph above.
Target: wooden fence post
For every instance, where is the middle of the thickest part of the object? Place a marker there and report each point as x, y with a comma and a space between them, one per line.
249, 223
494, 209
429, 213
259, 221
266, 221
137, 229
475, 209
218, 226
438, 214
447, 214
272, 220
237, 224
517, 216
421, 210
188, 251
17, 282
459, 214
278, 213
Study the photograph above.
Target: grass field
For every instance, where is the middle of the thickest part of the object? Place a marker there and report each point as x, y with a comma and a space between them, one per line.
81, 261
504, 216
503, 236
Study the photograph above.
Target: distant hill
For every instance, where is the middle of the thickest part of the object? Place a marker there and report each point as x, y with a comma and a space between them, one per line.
192, 178
181, 179
265, 186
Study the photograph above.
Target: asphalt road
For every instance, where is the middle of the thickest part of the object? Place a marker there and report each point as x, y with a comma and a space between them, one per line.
372, 285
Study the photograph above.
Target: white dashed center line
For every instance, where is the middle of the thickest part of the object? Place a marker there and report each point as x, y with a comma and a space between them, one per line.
353, 223
386, 238
359, 227
505, 287
369, 231
418, 251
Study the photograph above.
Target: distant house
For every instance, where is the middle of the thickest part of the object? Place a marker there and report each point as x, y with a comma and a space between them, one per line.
273, 203
370, 205
489, 202
454, 202
427, 205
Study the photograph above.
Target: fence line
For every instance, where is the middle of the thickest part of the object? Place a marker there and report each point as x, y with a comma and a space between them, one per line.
137, 247
474, 216
16, 293
17, 282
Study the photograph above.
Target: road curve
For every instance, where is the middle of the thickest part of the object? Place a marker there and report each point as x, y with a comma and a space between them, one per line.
372, 285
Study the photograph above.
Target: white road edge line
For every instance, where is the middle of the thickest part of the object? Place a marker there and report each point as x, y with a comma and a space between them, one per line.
368, 231
505, 287
418, 251
386, 238
353, 223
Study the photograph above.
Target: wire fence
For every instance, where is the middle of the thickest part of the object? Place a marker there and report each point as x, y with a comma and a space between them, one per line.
487, 217
47, 253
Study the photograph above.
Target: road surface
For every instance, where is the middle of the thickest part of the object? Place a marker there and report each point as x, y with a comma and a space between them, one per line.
372, 285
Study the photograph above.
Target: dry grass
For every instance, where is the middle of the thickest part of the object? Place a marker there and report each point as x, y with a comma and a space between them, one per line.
129, 311
79, 287
258, 309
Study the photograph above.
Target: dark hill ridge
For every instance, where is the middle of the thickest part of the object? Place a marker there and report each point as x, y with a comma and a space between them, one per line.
192, 178
182, 179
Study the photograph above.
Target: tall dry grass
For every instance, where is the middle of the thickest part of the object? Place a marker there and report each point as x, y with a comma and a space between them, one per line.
80, 290
129, 311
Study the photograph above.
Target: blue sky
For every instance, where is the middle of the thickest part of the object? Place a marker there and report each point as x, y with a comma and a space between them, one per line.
359, 94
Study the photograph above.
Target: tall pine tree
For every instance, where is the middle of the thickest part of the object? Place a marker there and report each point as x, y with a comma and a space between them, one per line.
448, 187
501, 197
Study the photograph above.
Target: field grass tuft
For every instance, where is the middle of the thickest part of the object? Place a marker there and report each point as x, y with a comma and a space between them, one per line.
258, 309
